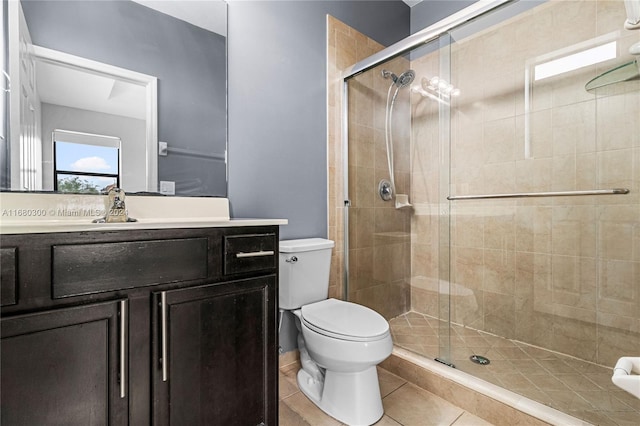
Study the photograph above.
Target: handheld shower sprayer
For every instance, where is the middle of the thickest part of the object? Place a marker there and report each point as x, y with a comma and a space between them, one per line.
387, 188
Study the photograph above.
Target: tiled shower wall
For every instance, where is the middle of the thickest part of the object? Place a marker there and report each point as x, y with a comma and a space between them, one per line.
379, 235
562, 272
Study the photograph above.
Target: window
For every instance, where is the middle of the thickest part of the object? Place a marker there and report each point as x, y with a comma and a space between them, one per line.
85, 163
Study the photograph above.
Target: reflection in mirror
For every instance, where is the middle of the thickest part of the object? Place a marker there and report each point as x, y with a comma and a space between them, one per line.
163, 41
87, 107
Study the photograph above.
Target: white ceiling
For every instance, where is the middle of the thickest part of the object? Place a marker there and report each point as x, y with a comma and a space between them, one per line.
412, 3
208, 14
61, 85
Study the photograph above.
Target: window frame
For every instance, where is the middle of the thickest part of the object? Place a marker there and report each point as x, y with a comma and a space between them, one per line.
81, 138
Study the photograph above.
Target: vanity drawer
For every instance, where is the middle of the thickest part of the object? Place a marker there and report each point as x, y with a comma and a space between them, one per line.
250, 252
94, 268
8, 276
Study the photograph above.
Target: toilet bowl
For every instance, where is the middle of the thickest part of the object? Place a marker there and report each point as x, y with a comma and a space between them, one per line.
346, 341
340, 342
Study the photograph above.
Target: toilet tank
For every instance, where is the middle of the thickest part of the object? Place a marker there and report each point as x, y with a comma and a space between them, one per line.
304, 271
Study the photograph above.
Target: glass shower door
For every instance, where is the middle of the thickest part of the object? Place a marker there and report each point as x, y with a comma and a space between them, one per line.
545, 216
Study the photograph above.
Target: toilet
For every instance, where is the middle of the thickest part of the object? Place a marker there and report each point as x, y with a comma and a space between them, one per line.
340, 343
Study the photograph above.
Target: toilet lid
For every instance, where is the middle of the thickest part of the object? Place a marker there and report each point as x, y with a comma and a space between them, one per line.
345, 320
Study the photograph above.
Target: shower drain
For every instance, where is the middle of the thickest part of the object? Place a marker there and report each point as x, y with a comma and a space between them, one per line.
479, 359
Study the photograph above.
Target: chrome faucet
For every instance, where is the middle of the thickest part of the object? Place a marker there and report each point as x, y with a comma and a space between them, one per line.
116, 211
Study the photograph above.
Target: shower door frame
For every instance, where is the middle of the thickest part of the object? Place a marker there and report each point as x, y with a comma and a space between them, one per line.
427, 35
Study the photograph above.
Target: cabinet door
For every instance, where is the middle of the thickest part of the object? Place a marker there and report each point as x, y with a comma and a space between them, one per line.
63, 367
218, 346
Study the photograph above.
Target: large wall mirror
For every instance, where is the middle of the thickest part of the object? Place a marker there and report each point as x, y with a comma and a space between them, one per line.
131, 93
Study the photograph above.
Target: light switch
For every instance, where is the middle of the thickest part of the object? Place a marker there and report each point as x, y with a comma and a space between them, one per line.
167, 187
163, 149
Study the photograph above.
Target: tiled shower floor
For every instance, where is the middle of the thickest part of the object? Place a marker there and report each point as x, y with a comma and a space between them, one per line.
581, 389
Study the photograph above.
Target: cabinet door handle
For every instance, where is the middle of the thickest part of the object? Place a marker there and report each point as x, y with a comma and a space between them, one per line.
123, 348
163, 337
255, 254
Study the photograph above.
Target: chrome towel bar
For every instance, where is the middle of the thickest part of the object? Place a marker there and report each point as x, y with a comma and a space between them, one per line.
541, 194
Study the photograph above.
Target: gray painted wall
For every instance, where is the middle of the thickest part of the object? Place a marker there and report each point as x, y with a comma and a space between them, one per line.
184, 58
429, 12
277, 103
278, 109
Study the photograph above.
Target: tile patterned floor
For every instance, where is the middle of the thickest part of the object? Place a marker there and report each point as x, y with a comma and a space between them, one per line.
581, 389
404, 404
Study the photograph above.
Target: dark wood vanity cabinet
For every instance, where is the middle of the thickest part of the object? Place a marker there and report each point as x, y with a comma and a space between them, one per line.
63, 367
215, 340
141, 327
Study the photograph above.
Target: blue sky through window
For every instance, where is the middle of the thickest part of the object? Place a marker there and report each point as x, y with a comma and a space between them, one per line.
80, 158
86, 158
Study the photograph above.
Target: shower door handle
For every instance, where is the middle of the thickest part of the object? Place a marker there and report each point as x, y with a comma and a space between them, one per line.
614, 191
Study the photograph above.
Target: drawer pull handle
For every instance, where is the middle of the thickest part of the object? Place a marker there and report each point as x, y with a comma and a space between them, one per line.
255, 254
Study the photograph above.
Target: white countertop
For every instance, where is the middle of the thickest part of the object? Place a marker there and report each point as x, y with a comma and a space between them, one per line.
69, 226
25, 213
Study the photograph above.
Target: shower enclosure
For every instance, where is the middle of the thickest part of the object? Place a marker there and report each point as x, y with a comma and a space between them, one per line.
518, 259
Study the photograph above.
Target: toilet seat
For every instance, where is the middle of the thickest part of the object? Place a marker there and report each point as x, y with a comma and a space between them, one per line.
345, 321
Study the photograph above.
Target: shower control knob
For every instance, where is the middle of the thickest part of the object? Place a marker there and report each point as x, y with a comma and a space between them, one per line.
385, 190
292, 259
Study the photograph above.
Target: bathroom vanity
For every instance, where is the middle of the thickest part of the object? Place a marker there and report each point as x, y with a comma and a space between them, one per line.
140, 326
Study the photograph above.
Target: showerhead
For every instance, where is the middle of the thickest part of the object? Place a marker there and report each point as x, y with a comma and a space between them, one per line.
403, 80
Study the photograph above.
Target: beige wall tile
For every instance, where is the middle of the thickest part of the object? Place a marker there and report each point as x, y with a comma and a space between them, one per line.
468, 267
499, 177
575, 337
563, 173
614, 128
615, 168
500, 93
499, 229
621, 337
424, 301
499, 138
573, 231
609, 14
499, 271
